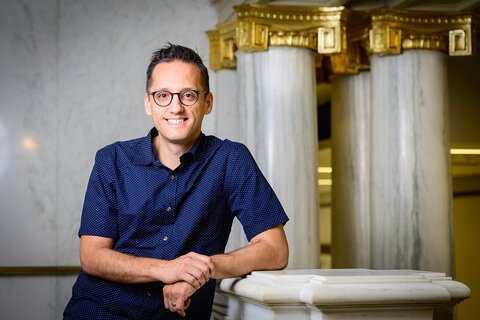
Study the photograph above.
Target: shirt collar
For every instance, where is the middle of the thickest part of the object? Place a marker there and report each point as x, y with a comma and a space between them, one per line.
195, 152
145, 152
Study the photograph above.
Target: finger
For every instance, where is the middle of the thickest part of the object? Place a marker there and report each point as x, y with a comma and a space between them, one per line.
199, 276
187, 303
191, 280
196, 268
205, 260
166, 297
179, 307
181, 312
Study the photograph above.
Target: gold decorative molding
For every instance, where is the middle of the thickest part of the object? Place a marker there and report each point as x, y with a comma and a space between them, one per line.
348, 38
355, 59
321, 29
393, 31
214, 53
257, 27
33, 271
223, 46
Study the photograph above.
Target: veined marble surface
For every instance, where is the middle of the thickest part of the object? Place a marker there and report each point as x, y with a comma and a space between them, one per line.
226, 108
72, 79
339, 294
227, 126
277, 105
410, 169
28, 132
351, 171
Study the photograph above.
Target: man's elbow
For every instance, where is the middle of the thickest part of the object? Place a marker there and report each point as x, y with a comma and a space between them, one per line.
85, 263
282, 260
279, 257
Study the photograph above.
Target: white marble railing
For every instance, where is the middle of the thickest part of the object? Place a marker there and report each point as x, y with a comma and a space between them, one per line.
339, 294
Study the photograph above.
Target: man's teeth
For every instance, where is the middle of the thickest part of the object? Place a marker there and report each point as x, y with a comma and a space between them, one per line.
175, 120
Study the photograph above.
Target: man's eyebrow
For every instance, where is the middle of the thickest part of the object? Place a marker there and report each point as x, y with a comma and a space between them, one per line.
185, 88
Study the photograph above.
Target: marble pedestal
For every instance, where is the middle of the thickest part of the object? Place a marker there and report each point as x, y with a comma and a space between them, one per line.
339, 294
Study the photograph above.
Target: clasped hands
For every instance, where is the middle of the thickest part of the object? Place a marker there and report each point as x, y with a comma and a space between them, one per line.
184, 276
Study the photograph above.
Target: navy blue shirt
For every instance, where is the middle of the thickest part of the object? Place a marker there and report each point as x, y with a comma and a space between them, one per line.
152, 211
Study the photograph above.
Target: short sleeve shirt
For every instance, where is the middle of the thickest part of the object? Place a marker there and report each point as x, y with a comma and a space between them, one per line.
152, 211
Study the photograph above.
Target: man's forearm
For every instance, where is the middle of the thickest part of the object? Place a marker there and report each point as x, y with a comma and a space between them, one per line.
99, 259
268, 251
119, 267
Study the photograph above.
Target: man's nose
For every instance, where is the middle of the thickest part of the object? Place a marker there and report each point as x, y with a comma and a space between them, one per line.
176, 106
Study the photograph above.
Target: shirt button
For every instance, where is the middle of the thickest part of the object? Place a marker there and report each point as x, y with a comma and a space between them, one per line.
169, 209
165, 238
149, 293
172, 177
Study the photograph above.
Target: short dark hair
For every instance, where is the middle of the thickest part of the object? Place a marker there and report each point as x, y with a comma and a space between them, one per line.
173, 52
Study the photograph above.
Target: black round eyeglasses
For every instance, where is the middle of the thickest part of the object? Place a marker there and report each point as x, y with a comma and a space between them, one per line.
187, 97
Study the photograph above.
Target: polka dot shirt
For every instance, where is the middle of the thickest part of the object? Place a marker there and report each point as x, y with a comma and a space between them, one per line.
152, 211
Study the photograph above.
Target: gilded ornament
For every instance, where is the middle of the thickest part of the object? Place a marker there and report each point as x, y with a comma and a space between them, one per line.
393, 31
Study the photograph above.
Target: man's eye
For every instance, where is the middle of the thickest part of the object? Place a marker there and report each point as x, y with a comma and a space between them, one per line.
162, 95
189, 94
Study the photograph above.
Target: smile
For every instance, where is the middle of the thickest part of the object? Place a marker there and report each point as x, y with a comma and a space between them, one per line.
175, 121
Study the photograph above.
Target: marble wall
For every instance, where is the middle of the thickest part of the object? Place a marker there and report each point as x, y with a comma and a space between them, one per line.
71, 81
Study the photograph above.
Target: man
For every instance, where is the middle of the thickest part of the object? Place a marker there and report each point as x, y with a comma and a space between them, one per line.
158, 210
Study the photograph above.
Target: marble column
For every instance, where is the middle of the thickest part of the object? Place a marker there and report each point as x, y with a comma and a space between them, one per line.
410, 171
277, 106
227, 124
351, 171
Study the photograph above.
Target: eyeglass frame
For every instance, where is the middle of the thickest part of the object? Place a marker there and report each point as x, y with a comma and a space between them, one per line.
197, 92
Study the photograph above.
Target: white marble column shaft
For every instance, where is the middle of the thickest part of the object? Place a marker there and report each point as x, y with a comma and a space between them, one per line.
410, 169
351, 171
227, 124
277, 105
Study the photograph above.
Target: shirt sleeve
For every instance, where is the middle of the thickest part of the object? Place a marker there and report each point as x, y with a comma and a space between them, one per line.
99, 216
251, 198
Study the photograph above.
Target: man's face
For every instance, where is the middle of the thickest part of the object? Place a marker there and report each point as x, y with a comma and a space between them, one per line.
176, 123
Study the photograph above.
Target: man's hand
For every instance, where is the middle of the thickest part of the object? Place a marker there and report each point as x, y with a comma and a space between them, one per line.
193, 268
176, 297
99, 259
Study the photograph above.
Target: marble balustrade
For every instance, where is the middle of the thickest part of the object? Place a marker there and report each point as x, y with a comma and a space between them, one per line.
332, 294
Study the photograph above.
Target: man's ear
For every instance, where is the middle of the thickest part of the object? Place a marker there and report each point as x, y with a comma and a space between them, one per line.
147, 105
209, 102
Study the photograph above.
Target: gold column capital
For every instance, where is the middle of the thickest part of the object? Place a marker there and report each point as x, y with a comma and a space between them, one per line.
223, 46
393, 31
261, 26
257, 27
348, 38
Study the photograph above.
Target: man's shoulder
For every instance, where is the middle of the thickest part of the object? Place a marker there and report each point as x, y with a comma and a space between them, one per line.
216, 145
131, 148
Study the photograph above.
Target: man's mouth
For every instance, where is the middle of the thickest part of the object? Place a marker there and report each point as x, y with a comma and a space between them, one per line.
176, 121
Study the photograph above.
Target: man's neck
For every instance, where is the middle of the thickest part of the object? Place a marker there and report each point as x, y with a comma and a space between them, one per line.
169, 153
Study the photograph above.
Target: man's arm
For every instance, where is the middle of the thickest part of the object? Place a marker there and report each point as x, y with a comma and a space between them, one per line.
98, 258
267, 251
